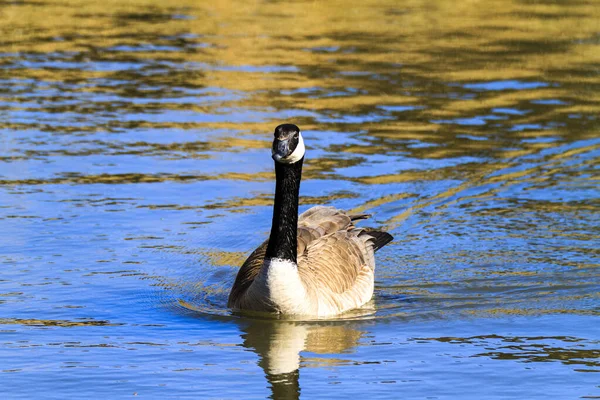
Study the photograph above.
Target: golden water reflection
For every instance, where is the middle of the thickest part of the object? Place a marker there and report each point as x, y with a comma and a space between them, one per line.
138, 133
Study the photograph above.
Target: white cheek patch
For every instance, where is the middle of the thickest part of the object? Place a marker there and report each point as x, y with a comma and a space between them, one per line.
297, 154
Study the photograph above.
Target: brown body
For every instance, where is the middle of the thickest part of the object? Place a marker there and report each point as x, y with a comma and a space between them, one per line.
335, 268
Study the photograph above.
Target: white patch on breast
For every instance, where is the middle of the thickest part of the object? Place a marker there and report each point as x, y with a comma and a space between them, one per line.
279, 285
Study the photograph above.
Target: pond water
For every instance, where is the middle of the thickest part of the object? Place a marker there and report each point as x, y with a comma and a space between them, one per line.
135, 177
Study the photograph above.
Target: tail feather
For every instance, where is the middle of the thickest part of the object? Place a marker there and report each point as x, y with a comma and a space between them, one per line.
357, 217
378, 238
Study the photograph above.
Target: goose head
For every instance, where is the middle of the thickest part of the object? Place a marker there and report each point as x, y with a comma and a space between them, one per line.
288, 145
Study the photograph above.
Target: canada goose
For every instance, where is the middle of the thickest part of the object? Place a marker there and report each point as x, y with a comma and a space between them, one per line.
316, 264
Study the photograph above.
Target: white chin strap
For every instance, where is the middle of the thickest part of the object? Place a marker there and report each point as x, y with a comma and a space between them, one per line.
297, 154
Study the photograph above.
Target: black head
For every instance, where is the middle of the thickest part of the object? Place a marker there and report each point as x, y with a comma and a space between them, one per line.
288, 145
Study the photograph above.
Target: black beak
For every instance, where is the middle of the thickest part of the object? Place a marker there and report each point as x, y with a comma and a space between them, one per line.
281, 149
285, 140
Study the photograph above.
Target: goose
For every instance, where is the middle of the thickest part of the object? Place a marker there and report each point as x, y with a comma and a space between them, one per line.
317, 264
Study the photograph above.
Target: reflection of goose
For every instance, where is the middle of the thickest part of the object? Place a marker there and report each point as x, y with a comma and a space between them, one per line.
279, 343
318, 264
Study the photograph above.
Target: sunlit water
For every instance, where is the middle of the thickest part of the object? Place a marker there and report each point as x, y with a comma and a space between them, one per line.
135, 177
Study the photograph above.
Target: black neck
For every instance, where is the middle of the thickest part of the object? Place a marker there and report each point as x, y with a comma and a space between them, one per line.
283, 241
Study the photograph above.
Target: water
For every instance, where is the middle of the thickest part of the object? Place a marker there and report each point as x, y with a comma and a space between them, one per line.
135, 177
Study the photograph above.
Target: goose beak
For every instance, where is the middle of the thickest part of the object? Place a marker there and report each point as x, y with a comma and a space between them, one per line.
281, 149
288, 146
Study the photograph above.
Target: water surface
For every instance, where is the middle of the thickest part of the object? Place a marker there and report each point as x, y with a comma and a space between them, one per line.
135, 177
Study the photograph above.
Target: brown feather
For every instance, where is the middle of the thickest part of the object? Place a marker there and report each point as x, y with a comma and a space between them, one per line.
335, 259
247, 273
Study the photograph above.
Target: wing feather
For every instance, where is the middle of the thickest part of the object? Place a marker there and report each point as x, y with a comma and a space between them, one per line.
335, 261
246, 274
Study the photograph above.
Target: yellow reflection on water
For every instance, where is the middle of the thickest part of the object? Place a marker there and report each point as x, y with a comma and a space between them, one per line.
487, 83
439, 40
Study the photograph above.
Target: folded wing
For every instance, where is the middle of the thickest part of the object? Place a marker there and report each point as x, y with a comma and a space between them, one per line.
335, 259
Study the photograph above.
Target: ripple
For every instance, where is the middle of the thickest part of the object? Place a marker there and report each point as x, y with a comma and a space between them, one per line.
135, 178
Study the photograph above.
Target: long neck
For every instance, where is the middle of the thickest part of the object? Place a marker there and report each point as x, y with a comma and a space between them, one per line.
283, 241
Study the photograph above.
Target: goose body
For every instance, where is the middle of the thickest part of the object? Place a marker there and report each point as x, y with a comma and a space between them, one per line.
316, 264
